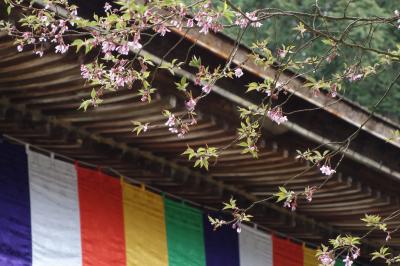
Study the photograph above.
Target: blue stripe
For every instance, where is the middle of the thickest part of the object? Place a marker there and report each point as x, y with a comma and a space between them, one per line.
15, 218
221, 245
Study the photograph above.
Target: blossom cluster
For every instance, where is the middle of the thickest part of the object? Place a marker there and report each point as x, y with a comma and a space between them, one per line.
327, 170
277, 116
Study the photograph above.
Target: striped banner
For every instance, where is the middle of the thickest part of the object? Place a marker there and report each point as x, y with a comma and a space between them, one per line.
255, 247
56, 235
15, 214
55, 213
102, 226
221, 246
287, 253
145, 232
309, 257
184, 234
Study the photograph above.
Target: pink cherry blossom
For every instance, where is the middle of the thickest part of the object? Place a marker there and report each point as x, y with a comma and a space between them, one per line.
20, 48
145, 127
206, 89
291, 202
190, 23
355, 252
107, 7
39, 52
108, 46
309, 191
242, 21
123, 49
348, 261
237, 226
135, 45
281, 53
334, 90
326, 170
62, 48
162, 29
85, 72
326, 259
277, 116
238, 72
190, 104
26, 35
388, 237
171, 121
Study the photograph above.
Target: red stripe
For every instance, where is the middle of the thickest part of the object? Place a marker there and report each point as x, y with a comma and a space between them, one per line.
286, 253
102, 226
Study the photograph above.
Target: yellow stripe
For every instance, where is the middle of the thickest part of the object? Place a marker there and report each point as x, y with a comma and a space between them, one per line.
309, 257
145, 233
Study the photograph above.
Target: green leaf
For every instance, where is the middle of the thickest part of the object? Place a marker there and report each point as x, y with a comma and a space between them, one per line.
93, 94
84, 105
78, 43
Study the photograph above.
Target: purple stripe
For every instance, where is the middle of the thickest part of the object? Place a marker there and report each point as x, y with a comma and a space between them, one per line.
15, 217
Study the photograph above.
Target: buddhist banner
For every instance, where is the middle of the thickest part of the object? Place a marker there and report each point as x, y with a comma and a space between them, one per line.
102, 223
222, 247
255, 247
56, 235
15, 220
55, 213
309, 257
287, 253
145, 232
185, 234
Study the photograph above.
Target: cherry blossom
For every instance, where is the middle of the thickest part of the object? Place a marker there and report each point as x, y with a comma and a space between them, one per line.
242, 21
123, 49
85, 72
39, 53
145, 127
281, 53
171, 121
291, 201
62, 48
326, 259
334, 90
190, 104
108, 46
348, 261
135, 45
206, 89
162, 29
309, 191
326, 170
277, 116
190, 23
238, 72
353, 75
237, 226
388, 237
355, 252
107, 7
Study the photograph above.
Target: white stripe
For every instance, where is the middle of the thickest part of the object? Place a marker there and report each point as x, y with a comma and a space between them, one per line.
255, 247
55, 221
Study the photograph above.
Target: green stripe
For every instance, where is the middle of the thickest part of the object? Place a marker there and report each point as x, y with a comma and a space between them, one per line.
339, 262
184, 235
